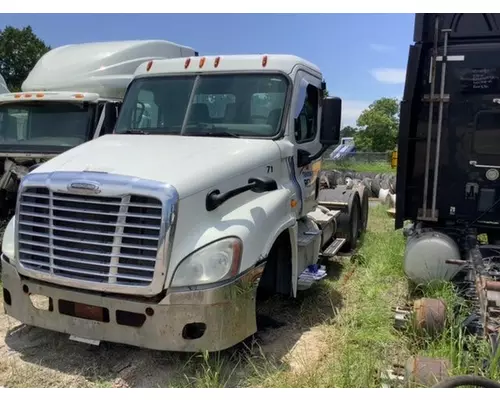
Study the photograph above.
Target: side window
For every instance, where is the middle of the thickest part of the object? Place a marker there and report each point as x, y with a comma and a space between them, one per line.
13, 124
487, 133
306, 124
109, 119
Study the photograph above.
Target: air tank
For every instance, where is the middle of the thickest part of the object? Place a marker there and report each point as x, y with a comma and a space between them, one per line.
425, 257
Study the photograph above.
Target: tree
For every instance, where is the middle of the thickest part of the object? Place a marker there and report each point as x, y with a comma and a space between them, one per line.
20, 49
378, 126
325, 93
348, 131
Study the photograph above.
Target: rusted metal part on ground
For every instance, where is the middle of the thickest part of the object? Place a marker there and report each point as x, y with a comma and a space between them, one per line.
430, 315
425, 371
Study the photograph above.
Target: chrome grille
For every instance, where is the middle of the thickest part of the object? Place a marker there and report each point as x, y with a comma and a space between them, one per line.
112, 240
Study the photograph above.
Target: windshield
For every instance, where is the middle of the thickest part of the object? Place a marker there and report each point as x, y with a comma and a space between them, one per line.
231, 104
44, 126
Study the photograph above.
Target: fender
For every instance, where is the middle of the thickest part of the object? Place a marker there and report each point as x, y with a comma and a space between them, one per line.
9, 239
257, 219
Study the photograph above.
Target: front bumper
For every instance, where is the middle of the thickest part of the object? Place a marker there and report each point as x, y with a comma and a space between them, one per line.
224, 315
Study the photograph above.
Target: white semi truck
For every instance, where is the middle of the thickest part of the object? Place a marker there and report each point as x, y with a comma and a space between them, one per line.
162, 236
72, 95
3, 86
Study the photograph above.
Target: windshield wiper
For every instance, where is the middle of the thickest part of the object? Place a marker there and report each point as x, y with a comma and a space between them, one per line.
213, 133
133, 132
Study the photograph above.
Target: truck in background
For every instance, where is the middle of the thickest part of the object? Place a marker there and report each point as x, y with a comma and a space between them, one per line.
163, 236
448, 164
72, 95
3, 86
345, 148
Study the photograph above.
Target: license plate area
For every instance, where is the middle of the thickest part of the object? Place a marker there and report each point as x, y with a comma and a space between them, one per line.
84, 311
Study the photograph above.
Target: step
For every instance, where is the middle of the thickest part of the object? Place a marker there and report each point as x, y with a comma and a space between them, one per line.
306, 238
334, 248
306, 280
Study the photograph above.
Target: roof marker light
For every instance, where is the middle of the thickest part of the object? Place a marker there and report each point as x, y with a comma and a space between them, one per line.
187, 62
148, 67
202, 62
17, 96
79, 96
28, 95
216, 62
39, 95
264, 61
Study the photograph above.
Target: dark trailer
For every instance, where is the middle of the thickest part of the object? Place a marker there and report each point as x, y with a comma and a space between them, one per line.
448, 170
448, 182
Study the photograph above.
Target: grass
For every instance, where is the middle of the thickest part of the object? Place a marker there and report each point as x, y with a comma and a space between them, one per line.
362, 340
379, 167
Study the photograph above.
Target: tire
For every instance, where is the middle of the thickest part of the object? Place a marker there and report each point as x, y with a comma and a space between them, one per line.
354, 223
368, 185
348, 222
277, 275
363, 195
375, 187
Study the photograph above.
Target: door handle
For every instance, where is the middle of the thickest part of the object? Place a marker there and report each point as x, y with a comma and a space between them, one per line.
475, 164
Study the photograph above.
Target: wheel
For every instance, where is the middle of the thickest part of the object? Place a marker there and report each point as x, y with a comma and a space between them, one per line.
349, 221
430, 315
277, 275
363, 195
355, 224
375, 186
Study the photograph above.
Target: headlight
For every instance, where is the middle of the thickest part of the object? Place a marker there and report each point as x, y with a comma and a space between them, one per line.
215, 262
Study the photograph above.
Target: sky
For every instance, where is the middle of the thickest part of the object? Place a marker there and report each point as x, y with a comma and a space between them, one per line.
362, 56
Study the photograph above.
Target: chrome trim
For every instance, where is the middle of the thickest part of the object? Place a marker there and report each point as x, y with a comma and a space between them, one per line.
111, 186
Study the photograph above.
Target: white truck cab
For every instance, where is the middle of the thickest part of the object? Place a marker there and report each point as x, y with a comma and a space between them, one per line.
72, 95
3, 86
162, 234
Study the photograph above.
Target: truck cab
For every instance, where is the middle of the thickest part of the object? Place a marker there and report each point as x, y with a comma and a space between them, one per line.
448, 164
3, 86
162, 234
71, 96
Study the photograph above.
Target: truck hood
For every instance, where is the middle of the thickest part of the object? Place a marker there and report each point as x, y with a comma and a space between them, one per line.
188, 163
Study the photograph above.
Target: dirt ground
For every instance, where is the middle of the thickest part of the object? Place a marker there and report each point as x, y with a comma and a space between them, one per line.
290, 335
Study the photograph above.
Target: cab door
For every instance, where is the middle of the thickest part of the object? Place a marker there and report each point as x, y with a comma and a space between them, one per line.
306, 115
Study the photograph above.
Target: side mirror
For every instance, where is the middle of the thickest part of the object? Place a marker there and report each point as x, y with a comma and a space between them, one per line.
330, 121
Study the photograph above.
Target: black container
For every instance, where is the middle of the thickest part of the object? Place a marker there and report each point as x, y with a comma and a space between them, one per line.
469, 156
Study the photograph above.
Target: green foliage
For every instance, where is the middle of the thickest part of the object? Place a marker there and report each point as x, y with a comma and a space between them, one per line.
20, 49
378, 126
348, 131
